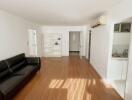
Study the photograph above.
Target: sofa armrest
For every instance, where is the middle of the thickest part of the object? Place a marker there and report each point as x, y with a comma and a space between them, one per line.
1, 96
34, 61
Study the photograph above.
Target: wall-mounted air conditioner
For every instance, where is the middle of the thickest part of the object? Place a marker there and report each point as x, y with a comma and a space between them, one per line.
102, 20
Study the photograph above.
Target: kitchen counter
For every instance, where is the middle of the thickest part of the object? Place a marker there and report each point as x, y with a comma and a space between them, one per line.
119, 58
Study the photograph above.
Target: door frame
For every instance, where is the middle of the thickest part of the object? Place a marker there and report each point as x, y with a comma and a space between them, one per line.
81, 42
30, 32
89, 47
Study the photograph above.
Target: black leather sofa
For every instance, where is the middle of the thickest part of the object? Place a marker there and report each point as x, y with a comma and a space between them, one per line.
15, 72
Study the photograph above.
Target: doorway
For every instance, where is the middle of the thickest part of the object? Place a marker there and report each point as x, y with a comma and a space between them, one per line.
74, 43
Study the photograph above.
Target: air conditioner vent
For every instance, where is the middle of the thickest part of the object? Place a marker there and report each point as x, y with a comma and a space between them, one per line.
102, 20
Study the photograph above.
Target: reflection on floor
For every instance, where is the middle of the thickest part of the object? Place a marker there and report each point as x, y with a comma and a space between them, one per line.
67, 78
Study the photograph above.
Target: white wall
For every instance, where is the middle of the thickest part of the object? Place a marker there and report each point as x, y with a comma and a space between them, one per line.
121, 42
121, 38
64, 30
86, 42
128, 94
99, 49
103, 35
13, 35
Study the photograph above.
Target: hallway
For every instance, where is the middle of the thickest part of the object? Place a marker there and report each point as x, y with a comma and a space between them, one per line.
66, 78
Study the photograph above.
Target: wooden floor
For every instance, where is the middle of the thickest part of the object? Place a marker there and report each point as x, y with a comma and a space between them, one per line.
66, 78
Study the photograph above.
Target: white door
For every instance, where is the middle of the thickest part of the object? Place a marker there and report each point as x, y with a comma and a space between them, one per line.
81, 45
32, 43
124, 69
52, 45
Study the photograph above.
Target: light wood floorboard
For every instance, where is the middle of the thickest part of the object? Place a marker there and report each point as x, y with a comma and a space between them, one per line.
66, 78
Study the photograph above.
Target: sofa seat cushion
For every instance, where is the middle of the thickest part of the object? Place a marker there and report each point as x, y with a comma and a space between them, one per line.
9, 84
26, 70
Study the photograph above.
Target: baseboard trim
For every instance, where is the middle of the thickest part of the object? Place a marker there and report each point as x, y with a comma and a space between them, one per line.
75, 51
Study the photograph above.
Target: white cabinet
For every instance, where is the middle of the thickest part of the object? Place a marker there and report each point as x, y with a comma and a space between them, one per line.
118, 69
124, 69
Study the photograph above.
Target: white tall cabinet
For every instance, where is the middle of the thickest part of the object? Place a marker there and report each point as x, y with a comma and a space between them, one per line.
117, 69
116, 75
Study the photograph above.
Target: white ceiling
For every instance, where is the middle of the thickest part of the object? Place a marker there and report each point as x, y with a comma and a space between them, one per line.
58, 12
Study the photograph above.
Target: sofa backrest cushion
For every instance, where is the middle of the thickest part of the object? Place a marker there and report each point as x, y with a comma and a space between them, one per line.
3, 69
16, 61
19, 65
